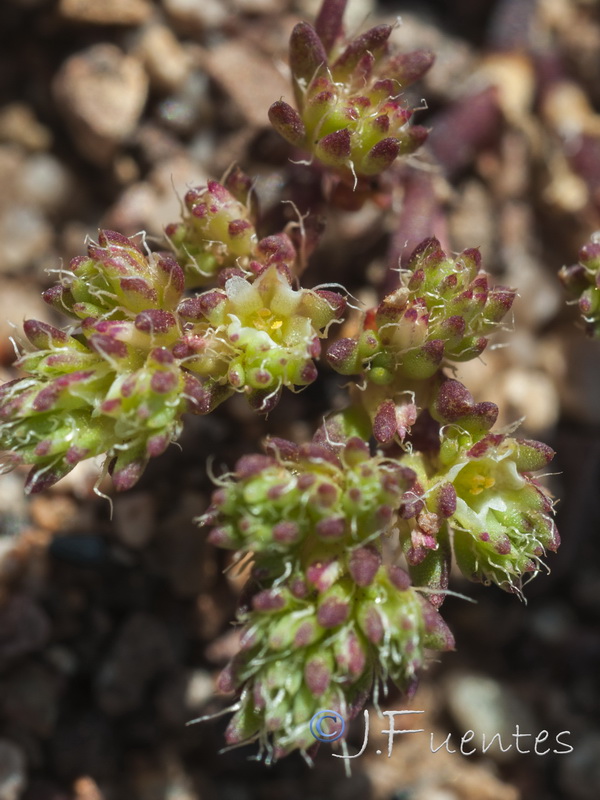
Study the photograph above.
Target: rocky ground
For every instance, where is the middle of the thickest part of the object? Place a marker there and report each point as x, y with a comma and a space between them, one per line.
112, 631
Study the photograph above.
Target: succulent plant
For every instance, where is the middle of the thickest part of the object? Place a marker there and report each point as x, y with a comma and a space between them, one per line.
334, 617
351, 116
273, 502
409, 473
256, 337
583, 282
444, 309
109, 385
314, 644
480, 488
217, 239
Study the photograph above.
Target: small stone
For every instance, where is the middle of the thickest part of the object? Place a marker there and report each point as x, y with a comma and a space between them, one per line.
248, 78
13, 508
182, 696
12, 770
29, 696
54, 512
167, 62
148, 205
532, 395
160, 777
24, 628
19, 125
84, 743
102, 93
45, 183
106, 12
199, 689
481, 704
141, 652
134, 520
357, 11
183, 110
258, 6
573, 361
197, 17
580, 772
474, 211
25, 235
86, 788
179, 554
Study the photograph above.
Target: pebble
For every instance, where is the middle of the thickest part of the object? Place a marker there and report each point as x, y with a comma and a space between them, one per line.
530, 394
86, 788
199, 689
29, 696
102, 93
106, 12
12, 771
25, 235
184, 110
196, 17
13, 505
258, 6
180, 552
357, 11
19, 125
150, 205
573, 361
45, 183
167, 63
134, 519
249, 79
24, 628
56, 512
183, 695
540, 295
472, 222
141, 651
162, 777
580, 771
481, 704
87, 550
23, 562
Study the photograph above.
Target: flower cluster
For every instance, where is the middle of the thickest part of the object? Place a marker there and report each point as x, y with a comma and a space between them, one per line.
443, 309
274, 502
256, 337
109, 385
350, 113
480, 488
217, 238
141, 355
305, 648
583, 282
327, 617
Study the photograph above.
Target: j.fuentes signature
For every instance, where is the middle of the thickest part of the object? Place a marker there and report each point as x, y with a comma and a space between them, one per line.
329, 726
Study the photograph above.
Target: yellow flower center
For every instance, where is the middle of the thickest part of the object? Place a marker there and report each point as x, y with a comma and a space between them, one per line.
263, 320
480, 482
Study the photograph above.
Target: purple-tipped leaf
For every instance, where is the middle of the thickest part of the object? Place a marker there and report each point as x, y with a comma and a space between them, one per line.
334, 149
288, 123
380, 156
328, 24
372, 41
307, 54
406, 68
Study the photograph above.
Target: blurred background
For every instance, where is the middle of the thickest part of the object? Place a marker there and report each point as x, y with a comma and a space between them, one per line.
112, 632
